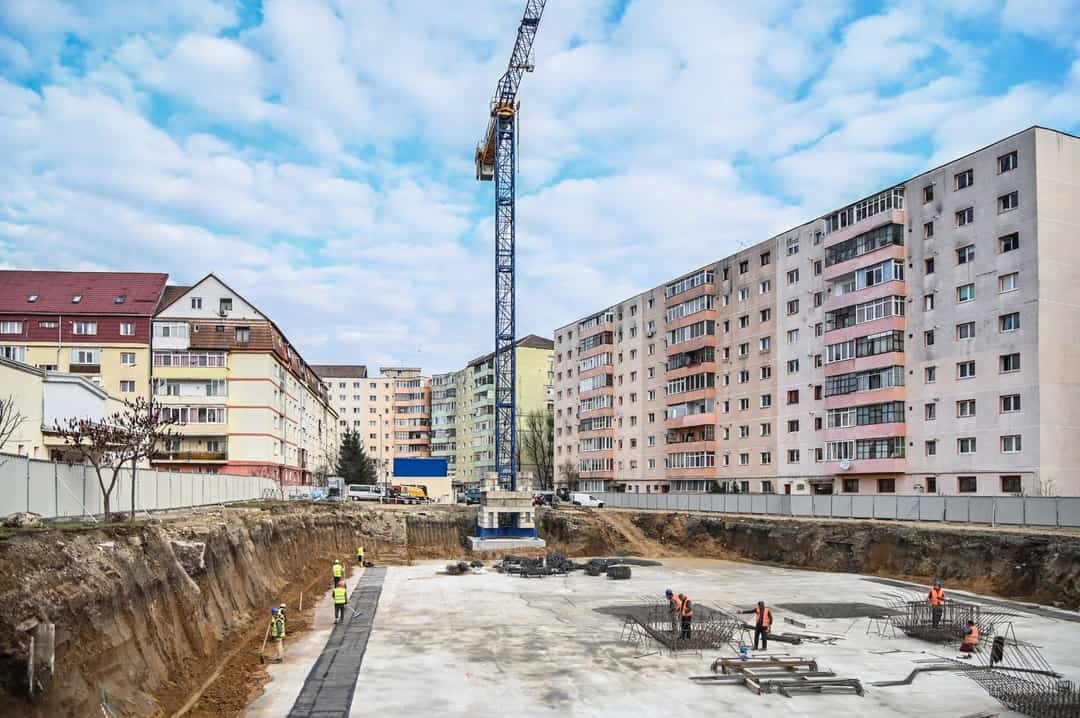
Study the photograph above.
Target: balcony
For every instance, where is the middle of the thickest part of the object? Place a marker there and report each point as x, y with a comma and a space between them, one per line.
85, 369
171, 336
209, 456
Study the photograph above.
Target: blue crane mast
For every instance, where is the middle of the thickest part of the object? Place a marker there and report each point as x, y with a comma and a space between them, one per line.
495, 160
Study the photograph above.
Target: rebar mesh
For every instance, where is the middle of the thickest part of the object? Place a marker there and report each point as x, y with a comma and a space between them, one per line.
650, 623
916, 617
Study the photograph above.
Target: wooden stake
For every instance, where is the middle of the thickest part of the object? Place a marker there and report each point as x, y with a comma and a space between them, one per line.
301, 600
264, 643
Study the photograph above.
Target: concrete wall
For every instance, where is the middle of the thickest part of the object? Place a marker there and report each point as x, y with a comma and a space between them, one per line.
22, 387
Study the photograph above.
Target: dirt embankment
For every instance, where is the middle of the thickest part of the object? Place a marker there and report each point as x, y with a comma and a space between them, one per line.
144, 614
1024, 566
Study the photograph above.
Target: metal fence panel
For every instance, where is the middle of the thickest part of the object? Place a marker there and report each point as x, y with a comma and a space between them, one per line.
41, 488
758, 503
841, 506
774, 504
822, 505
1068, 511
1010, 510
884, 507
1040, 511
907, 508
932, 508
802, 505
862, 507
981, 509
956, 508
742, 503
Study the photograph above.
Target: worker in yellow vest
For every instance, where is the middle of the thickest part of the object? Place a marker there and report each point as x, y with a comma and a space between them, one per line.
277, 632
359, 555
339, 572
340, 599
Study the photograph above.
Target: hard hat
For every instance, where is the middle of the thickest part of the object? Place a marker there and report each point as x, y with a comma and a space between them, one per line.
283, 607
274, 610
668, 592
937, 582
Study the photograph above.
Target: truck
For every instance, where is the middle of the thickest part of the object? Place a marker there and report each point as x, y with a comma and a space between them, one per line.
335, 487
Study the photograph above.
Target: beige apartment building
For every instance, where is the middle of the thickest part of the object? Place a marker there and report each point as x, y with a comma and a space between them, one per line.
922, 339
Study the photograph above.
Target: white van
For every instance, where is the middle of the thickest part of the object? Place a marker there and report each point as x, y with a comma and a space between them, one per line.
366, 492
586, 500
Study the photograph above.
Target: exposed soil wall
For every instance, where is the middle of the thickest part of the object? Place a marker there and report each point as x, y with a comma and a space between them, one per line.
1025, 566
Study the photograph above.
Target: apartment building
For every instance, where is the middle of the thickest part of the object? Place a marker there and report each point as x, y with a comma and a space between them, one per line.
244, 400
449, 424
411, 411
532, 392
919, 340
95, 324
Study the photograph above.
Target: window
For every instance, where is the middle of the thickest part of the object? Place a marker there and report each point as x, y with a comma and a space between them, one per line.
766, 401
127, 358
1009, 322
84, 328
928, 302
1010, 403
793, 396
1010, 444
792, 246
1007, 162
965, 445
1009, 242
11, 328
1007, 202
793, 276
928, 193
127, 387
965, 217
744, 294
931, 484
48, 325
744, 459
766, 458
792, 426
1009, 362
765, 372
931, 447
965, 330
962, 180
765, 315
243, 335
851, 486
793, 456
928, 337
744, 321
965, 293
965, 254
928, 230
1011, 485
76, 299
766, 257
965, 370
1009, 282
792, 336
32, 298
967, 484
14, 353
765, 287
765, 344
965, 408
930, 412
793, 366
819, 298
818, 267
928, 266
793, 306
744, 266
225, 304
196, 302
744, 404
766, 429
127, 329
886, 486
744, 376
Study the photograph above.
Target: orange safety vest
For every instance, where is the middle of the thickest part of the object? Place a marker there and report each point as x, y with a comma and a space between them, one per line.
678, 603
763, 621
687, 609
973, 637
937, 596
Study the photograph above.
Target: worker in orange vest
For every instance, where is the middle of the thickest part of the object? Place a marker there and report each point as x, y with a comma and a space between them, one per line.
937, 603
675, 608
762, 624
971, 638
686, 610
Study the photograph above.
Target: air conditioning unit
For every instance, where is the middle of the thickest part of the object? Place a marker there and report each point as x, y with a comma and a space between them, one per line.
222, 313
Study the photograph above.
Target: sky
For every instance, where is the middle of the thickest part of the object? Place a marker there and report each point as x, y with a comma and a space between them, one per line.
318, 154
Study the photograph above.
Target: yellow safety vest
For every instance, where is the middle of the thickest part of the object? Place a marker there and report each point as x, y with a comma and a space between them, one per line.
339, 596
360, 551
338, 570
277, 627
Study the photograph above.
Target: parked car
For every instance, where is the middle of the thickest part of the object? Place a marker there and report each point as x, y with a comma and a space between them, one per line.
586, 500
366, 492
471, 496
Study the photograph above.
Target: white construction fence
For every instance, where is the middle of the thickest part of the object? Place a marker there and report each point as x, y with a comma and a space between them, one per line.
58, 490
994, 510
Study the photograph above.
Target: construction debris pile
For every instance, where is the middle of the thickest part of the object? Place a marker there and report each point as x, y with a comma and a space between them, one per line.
556, 564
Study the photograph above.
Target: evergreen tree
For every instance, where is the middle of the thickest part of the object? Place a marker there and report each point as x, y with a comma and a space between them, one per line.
353, 463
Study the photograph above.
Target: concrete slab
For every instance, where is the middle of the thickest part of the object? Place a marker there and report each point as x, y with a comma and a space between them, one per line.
494, 645
505, 544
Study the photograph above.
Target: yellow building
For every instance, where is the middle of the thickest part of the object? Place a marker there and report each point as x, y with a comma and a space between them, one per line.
244, 400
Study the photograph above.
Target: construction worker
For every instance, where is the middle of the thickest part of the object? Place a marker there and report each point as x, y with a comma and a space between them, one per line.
971, 638
359, 555
762, 625
937, 603
686, 611
675, 608
340, 599
284, 618
277, 633
338, 571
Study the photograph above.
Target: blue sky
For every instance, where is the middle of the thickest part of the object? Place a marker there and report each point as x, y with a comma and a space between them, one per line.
317, 154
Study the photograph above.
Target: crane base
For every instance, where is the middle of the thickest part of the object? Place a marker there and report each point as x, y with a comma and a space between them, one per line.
479, 543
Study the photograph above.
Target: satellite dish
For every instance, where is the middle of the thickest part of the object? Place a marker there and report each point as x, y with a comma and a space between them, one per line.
845, 465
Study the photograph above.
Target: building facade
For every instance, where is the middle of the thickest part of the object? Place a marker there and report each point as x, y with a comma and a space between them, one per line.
446, 391
920, 339
95, 324
244, 400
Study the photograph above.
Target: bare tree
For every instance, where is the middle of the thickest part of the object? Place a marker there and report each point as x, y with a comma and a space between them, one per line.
538, 447
144, 431
573, 476
10, 419
99, 444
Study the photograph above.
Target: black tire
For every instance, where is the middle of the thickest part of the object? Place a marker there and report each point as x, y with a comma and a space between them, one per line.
600, 505
576, 503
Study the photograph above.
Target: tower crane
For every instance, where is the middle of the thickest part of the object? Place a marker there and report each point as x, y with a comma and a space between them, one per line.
495, 160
